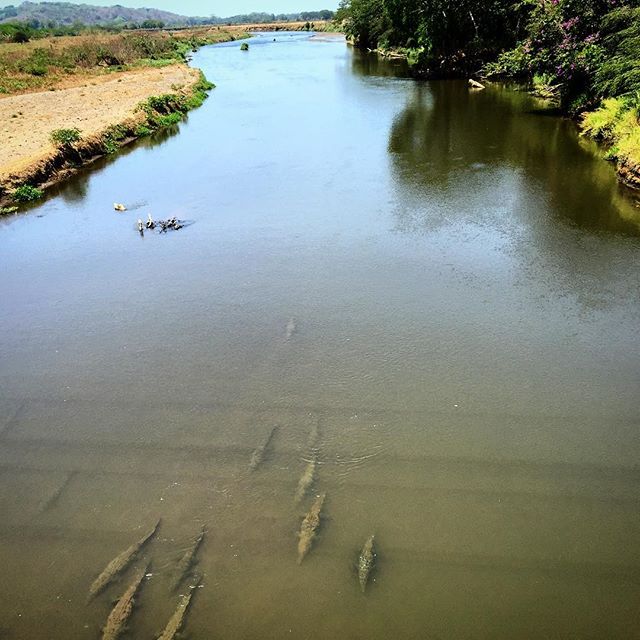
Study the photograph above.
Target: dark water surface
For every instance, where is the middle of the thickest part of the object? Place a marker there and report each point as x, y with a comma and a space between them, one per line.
463, 274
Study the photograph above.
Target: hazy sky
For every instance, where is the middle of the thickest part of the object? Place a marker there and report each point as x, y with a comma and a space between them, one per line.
220, 8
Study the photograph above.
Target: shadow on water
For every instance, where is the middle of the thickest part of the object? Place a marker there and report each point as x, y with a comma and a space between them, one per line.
371, 64
445, 134
490, 162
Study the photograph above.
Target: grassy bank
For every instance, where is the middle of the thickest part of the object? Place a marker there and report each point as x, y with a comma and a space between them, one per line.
52, 62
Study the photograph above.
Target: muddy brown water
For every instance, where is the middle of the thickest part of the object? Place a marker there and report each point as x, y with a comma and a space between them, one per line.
462, 271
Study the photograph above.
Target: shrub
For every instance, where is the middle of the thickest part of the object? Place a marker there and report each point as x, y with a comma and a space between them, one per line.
601, 123
27, 193
244, 46
20, 36
65, 137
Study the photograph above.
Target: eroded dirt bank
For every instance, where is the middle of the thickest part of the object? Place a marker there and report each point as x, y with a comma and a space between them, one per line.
26, 121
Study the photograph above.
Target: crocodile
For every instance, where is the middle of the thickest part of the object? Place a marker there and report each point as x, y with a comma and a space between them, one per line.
120, 563
176, 622
186, 561
309, 527
314, 437
258, 455
121, 612
306, 480
366, 562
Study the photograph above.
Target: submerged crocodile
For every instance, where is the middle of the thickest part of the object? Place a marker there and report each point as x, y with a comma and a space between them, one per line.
292, 327
314, 437
306, 480
121, 612
176, 622
366, 562
52, 500
120, 563
258, 455
186, 561
309, 527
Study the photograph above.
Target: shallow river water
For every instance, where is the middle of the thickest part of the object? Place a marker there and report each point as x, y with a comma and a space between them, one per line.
459, 275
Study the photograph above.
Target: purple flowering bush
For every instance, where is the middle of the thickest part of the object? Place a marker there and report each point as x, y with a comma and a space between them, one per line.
584, 50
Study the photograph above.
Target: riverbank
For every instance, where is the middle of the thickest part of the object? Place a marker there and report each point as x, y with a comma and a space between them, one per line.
54, 63
106, 113
95, 109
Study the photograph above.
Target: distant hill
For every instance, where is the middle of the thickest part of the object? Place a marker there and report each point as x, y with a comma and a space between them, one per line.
48, 14
66, 13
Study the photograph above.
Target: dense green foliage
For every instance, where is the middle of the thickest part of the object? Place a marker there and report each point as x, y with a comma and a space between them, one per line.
441, 35
578, 51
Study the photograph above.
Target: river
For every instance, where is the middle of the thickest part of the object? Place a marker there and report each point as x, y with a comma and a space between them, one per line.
459, 275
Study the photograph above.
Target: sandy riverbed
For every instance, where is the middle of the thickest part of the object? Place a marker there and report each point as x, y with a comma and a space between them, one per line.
26, 121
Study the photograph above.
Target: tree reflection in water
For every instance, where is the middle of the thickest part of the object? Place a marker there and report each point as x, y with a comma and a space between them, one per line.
466, 152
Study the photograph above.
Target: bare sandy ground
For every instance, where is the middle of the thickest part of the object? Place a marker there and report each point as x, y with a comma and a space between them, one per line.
26, 121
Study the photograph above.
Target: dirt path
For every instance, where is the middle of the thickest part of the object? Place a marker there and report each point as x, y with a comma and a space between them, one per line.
26, 121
